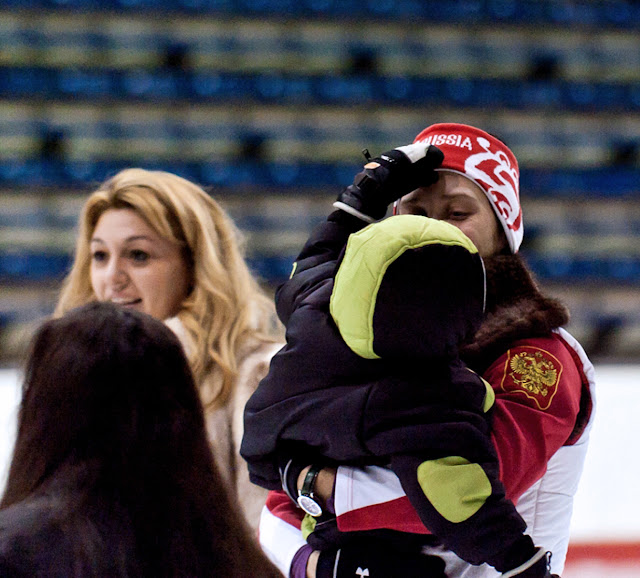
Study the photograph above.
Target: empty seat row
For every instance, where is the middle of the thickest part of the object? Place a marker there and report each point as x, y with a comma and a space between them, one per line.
34, 267
588, 225
608, 182
275, 268
49, 83
239, 175
216, 45
131, 133
620, 13
37, 233
571, 269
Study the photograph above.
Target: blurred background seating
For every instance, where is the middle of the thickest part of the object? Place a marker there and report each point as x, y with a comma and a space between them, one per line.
268, 103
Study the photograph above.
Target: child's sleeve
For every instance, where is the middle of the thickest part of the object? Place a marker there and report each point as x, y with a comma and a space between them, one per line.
316, 262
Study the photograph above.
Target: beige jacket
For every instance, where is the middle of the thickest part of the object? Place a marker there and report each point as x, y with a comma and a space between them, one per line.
225, 425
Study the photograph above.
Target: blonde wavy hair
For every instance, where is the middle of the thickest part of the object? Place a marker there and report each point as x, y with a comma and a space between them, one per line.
226, 306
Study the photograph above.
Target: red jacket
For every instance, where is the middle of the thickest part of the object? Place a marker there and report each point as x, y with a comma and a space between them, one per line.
543, 410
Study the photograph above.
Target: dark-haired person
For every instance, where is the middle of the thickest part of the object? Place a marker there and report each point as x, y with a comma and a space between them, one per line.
542, 379
112, 473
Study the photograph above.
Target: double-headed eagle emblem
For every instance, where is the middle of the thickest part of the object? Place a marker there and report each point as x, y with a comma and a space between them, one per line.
533, 372
536, 373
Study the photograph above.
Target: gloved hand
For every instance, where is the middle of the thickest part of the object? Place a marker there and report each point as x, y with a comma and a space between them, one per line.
536, 567
289, 472
374, 559
388, 177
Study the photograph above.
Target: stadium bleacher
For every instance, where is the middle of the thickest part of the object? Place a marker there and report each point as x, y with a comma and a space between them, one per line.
268, 104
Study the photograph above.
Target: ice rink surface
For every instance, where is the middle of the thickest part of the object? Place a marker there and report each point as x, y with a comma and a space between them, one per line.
607, 506
9, 400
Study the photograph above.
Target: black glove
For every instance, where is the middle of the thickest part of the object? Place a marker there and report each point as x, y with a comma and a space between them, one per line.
374, 559
387, 178
289, 472
536, 567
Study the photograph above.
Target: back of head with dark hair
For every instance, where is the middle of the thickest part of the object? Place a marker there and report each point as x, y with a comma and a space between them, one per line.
112, 439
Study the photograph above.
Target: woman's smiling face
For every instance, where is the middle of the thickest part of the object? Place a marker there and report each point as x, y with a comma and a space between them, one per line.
135, 267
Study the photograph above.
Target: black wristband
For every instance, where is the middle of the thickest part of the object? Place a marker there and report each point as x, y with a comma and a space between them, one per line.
306, 497
289, 474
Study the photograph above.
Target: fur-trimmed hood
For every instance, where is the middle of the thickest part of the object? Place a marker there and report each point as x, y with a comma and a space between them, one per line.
516, 309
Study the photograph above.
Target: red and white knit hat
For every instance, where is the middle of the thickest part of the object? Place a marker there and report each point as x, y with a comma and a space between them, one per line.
487, 162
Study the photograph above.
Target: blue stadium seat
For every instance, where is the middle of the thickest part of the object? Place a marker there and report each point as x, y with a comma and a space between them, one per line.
342, 89
82, 5
272, 269
26, 81
222, 86
615, 182
624, 269
234, 174
277, 88
199, 6
33, 266
612, 13
23, 172
81, 172
597, 96
166, 5
152, 85
86, 84
585, 269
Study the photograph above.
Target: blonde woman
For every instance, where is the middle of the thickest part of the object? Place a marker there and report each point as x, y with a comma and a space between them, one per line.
157, 243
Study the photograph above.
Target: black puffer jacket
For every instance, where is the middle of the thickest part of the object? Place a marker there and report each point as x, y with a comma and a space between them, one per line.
370, 374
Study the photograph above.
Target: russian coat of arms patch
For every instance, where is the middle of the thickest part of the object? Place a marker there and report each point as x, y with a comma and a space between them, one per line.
534, 372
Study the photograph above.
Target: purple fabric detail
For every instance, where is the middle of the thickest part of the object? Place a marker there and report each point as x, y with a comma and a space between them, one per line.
299, 563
